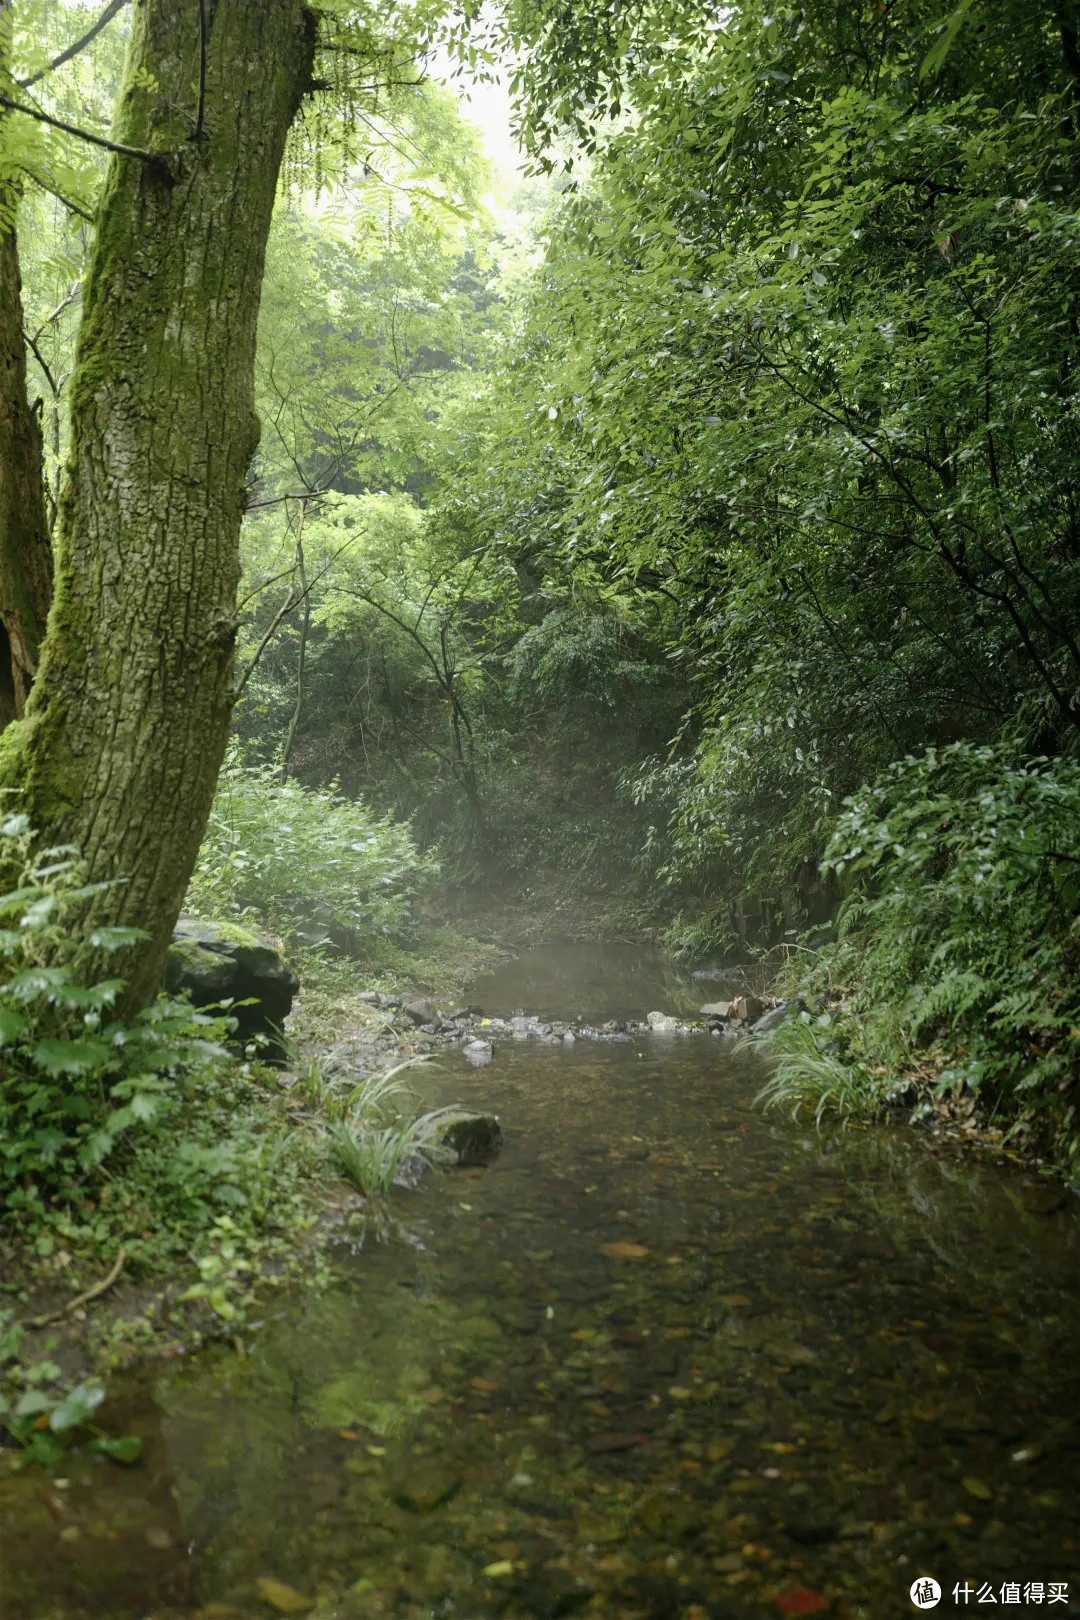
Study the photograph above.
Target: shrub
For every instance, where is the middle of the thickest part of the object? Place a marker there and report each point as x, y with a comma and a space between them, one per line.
75, 1080
962, 930
293, 852
810, 1076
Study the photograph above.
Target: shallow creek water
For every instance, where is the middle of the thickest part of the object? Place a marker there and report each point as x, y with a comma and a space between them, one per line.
664, 1357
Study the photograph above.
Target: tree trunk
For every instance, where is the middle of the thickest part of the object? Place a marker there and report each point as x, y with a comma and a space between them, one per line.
123, 736
25, 557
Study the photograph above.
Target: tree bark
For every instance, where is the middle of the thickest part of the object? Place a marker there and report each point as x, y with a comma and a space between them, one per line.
25, 555
124, 733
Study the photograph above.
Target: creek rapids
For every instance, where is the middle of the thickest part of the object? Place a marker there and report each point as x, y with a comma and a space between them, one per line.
664, 1356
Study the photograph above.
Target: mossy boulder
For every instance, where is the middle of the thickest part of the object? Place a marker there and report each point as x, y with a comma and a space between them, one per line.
213, 962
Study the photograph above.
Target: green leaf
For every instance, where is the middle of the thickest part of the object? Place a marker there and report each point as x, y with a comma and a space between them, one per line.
77, 1407
12, 1025
115, 939
935, 56
33, 1402
125, 1449
69, 1057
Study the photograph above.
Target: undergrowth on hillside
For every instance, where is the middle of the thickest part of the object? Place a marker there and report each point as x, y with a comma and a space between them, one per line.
959, 938
300, 856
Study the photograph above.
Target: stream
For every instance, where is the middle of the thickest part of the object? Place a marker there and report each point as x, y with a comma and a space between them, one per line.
665, 1356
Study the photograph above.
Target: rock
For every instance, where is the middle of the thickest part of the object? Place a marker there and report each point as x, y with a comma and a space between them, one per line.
773, 1019
472, 1138
285, 1599
421, 1488
214, 962
478, 1053
421, 1011
1046, 1199
902, 1094
716, 1009
747, 1008
662, 1022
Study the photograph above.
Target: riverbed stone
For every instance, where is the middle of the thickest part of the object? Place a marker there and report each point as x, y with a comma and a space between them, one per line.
662, 1022
472, 1138
716, 1009
774, 1018
421, 1011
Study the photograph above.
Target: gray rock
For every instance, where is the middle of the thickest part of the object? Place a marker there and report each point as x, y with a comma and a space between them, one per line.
748, 1009
214, 962
478, 1053
716, 1009
773, 1019
421, 1011
471, 1138
662, 1022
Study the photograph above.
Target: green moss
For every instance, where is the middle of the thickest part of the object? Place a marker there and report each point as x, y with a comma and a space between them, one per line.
235, 934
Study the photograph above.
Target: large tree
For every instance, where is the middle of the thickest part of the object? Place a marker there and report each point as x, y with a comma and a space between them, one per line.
119, 747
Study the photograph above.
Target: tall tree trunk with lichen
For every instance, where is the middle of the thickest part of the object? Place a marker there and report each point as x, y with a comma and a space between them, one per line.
123, 735
25, 558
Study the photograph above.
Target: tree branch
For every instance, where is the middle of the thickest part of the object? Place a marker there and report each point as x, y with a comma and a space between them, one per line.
80, 44
155, 159
52, 191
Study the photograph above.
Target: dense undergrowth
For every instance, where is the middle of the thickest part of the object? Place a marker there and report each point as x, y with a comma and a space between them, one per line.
957, 949
153, 1149
304, 858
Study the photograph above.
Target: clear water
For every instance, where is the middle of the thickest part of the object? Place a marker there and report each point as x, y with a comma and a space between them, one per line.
810, 1369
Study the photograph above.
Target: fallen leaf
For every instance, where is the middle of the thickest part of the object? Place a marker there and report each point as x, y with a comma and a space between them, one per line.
584, 1334
803, 1600
486, 1386
978, 1487
348, 1434
502, 1567
623, 1250
432, 1396
285, 1599
156, 1537
735, 1302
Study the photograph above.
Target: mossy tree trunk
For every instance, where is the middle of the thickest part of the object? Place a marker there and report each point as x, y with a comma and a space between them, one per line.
120, 745
25, 559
